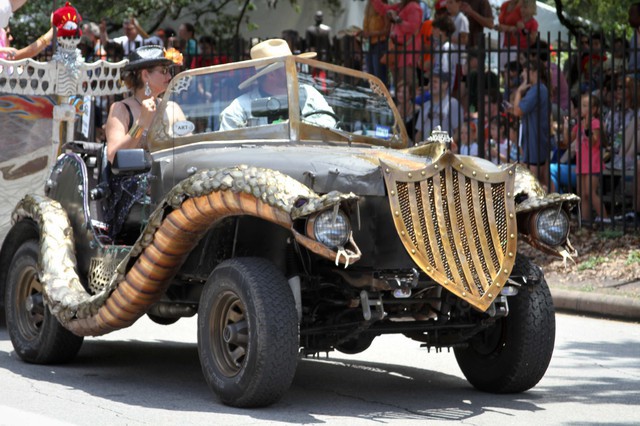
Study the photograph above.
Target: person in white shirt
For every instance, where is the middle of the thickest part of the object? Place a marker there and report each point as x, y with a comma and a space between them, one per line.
271, 82
131, 39
441, 110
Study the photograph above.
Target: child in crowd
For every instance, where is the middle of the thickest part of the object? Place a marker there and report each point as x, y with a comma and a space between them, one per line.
589, 138
512, 71
467, 138
503, 146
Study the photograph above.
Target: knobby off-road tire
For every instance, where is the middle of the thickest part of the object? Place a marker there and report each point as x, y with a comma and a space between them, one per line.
248, 332
36, 334
513, 355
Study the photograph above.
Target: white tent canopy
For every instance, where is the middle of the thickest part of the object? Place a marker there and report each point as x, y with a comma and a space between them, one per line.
272, 21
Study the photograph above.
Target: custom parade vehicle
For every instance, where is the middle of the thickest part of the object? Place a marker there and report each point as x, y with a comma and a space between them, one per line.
286, 238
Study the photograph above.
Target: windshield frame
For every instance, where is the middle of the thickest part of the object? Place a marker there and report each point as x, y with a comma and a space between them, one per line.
292, 130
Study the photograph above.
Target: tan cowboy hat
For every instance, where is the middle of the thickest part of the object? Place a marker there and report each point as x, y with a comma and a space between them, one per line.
272, 48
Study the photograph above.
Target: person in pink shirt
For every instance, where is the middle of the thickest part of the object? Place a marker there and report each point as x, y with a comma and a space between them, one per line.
9, 53
405, 42
7, 7
587, 136
6, 51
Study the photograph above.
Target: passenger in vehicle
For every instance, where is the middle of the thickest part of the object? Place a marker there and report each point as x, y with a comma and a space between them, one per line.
271, 82
147, 75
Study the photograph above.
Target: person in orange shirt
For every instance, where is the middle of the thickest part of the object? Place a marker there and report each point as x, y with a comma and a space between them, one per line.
426, 31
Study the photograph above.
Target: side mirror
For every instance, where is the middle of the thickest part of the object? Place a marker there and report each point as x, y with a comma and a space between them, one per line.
131, 162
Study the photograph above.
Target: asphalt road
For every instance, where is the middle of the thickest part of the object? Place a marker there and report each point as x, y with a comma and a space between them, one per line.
150, 375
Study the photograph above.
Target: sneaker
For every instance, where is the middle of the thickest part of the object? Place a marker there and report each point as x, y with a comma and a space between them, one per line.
627, 217
599, 219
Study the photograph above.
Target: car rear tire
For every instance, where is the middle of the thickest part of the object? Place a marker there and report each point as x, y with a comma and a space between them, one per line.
513, 355
248, 333
35, 333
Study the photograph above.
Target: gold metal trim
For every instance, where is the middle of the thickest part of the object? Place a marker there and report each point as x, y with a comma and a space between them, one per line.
458, 223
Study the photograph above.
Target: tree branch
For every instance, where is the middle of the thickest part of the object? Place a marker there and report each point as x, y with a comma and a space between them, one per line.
244, 10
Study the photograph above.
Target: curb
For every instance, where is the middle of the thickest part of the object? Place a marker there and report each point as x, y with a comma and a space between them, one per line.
597, 304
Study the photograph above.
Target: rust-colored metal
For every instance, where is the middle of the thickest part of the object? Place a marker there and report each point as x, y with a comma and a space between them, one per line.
458, 223
147, 280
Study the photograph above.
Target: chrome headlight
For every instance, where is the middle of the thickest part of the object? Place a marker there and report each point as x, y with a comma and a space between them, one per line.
329, 228
551, 226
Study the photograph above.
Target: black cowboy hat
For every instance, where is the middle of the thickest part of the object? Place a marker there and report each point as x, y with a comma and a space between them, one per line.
147, 57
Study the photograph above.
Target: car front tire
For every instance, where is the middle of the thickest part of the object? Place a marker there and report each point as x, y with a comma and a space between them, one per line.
513, 355
248, 333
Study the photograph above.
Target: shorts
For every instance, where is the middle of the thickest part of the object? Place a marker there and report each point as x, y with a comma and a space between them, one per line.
6, 11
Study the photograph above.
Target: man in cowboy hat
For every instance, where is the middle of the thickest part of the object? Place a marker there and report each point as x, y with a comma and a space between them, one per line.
270, 83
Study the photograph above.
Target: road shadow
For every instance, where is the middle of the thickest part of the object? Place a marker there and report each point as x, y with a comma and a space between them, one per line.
603, 372
166, 375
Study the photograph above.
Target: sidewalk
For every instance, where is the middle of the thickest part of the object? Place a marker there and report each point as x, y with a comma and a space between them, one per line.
596, 303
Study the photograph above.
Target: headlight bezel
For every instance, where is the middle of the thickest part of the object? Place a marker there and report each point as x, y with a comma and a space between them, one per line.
543, 222
321, 228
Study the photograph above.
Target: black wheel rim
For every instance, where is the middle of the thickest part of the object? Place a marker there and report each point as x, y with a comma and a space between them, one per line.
29, 305
491, 340
230, 333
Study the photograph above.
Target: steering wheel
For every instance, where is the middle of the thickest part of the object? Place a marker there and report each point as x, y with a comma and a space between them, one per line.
324, 112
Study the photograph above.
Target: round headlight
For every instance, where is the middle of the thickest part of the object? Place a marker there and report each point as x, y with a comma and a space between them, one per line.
552, 226
331, 229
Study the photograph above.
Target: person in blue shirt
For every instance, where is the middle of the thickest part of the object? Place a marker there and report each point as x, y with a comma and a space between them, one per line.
531, 104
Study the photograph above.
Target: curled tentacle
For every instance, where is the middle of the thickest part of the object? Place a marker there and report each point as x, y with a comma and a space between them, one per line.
175, 227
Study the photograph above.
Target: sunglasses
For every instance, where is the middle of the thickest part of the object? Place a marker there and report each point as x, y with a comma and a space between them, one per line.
163, 70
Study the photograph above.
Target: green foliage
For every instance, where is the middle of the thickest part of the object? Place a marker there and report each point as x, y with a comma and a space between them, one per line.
610, 234
591, 263
29, 22
220, 18
603, 15
633, 257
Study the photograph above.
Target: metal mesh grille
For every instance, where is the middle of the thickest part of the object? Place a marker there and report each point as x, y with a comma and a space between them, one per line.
102, 269
459, 240
423, 222
477, 242
497, 192
405, 211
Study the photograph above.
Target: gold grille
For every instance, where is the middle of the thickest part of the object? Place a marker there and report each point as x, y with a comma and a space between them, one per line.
458, 224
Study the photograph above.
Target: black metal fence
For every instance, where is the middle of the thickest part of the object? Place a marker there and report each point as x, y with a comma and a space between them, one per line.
579, 134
